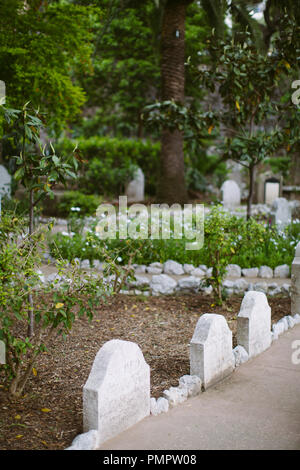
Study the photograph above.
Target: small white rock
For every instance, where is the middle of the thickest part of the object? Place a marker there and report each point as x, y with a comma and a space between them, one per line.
188, 268
87, 441
240, 355
172, 267
209, 272
284, 321
203, 267
261, 287
162, 284
296, 318
140, 269
233, 270
282, 271
154, 269
197, 272
175, 395
265, 272
153, 407
162, 405
278, 329
192, 383
250, 272
189, 283
291, 321
85, 264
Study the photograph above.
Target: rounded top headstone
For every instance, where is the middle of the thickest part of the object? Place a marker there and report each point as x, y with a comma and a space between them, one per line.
231, 193
297, 250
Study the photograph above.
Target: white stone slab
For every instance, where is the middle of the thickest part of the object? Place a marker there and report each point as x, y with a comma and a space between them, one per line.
117, 392
254, 323
5, 182
211, 356
281, 212
135, 190
231, 194
295, 286
2, 353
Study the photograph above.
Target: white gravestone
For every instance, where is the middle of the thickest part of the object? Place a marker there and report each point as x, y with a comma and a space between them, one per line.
135, 190
5, 182
254, 323
117, 392
231, 194
281, 212
211, 356
2, 352
295, 282
272, 191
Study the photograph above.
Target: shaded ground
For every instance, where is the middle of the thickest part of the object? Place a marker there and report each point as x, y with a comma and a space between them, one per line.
49, 415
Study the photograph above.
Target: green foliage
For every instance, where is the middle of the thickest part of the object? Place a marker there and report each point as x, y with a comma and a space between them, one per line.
43, 47
75, 201
55, 305
227, 239
37, 172
111, 162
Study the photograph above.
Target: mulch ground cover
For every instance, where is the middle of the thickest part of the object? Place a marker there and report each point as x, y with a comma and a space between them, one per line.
49, 415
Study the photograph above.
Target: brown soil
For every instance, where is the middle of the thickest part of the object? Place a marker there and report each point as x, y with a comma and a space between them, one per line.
49, 415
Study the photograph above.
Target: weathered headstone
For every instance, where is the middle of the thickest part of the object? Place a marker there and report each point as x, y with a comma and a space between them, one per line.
117, 392
231, 194
2, 93
211, 356
268, 186
2, 353
295, 282
135, 190
281, 212
5, 182
254, 323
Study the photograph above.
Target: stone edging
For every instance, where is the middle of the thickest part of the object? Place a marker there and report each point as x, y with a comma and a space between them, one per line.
189, 386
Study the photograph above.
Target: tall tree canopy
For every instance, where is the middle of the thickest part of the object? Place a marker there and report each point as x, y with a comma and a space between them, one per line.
44, 46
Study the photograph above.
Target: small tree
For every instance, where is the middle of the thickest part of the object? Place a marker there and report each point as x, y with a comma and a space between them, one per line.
38, 171
254, 112
32, 312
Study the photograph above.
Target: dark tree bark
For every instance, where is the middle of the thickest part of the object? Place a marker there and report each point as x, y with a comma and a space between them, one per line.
171, 188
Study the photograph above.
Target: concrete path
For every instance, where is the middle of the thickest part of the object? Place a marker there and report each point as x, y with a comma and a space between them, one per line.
257, 407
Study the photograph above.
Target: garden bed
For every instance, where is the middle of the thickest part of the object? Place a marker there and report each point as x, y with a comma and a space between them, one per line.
49, 415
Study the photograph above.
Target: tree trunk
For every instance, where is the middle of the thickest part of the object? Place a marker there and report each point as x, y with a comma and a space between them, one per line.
171, 187
30, 331
251, 190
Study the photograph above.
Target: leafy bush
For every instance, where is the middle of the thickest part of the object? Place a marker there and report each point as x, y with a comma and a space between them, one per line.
53, 306
87, 203
110, 162
248, 244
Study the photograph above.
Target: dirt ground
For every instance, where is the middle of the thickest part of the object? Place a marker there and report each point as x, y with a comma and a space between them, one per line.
49, 415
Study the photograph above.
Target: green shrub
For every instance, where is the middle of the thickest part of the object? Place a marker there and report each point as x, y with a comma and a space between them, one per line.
246, 243
110, 162
87, 203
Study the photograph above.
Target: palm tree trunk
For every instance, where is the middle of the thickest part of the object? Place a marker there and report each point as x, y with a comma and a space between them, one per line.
171, 188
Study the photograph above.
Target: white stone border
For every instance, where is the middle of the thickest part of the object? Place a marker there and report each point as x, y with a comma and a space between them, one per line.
254, 308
